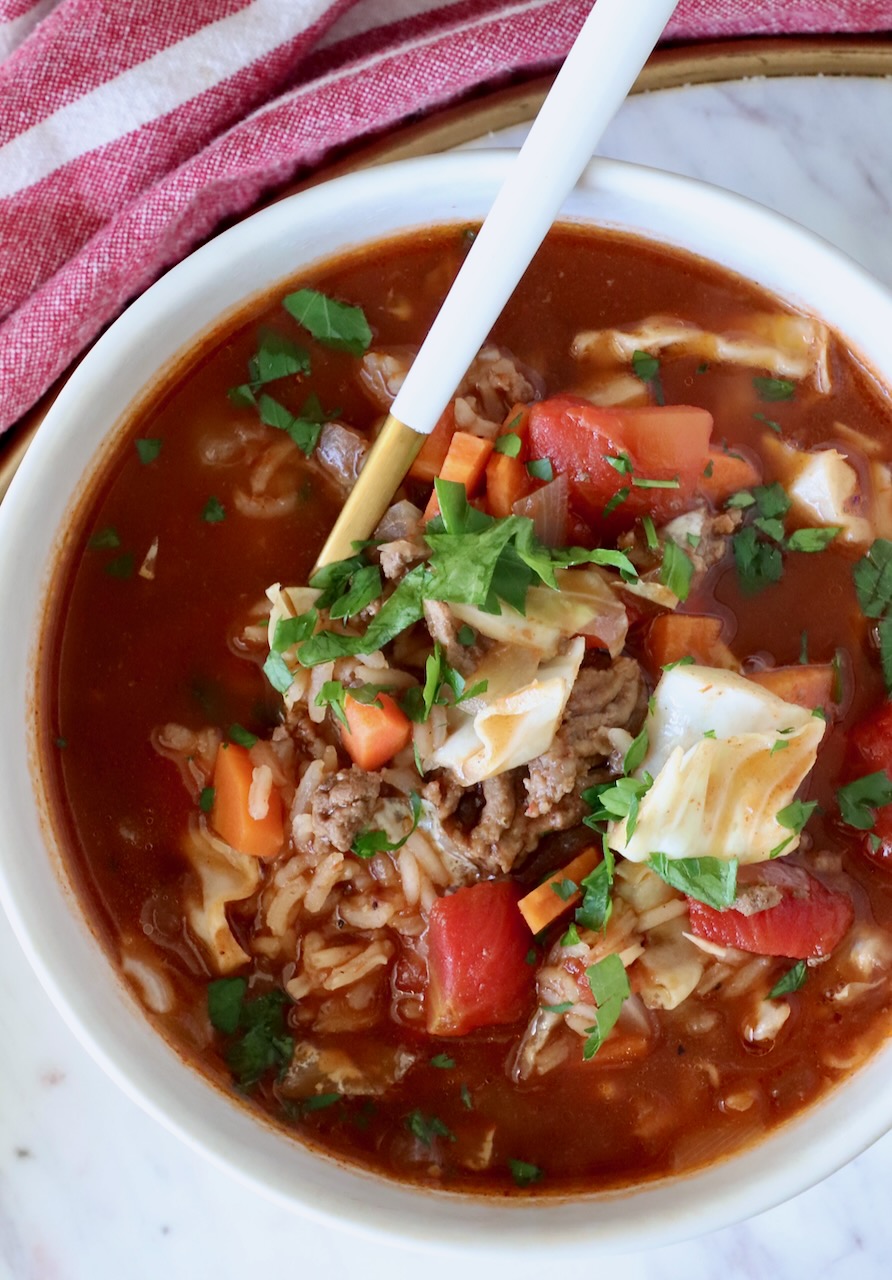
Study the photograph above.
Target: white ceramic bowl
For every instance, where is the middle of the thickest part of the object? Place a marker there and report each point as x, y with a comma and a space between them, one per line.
188, 302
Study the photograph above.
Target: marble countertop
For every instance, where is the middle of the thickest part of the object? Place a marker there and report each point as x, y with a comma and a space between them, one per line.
90, 1187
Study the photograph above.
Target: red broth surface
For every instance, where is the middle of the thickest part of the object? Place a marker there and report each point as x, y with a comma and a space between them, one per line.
127, 653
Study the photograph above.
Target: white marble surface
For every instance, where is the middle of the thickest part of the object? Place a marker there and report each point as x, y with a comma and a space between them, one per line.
92, 1188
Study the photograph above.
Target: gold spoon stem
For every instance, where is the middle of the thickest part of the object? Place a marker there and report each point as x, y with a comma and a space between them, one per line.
395, 450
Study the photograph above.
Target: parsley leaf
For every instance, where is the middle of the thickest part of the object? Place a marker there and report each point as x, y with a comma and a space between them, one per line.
564, 889
610, 987
709, 880
677, 570
304, 428
758, 564
263, 1041
596, 906
773, 389
812, 539
616, 801
104, 539
792, 980
121, 567
650, 533
509, 444
240, 736
443, 1061
426, 1128
368, 843
148, 450
647, 369
873, 579
638, 749
858, 799
523, 1173
277, 672
213, 511
540, 469
206, 799
335, 324
795, 815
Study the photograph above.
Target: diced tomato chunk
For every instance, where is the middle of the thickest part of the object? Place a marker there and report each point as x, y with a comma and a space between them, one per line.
871, 750
808, 921
477, 947
668, 442
872, 739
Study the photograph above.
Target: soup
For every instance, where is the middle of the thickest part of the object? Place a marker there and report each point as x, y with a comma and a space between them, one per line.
544, 843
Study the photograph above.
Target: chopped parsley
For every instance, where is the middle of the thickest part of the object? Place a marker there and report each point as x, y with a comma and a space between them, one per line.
638, 748
621, 463
426, 1128
571, 937
540, 469
277, 672
769, 422
368, 843
319, 1102
677, 570
564, 889
596, 907
774, 389
277, 357
443, 1061
524, 1173
304, 427
258, 1024
686, 661
618, 498
466, 635
709, 880
148, 450
509, 444
792, 980
443, 686
642, 482
812, 539
610, 987
104, 540
335, 324
206, 799
758, 563
858, 800
240, 736
334, 694
647, 369
613, 801
475, 559
213, 511
121, 567
873, 586
650, 533
465, 1095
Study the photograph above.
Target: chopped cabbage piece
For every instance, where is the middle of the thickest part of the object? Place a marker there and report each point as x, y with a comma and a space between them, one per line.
719, 796
787, 346
584, 604
504, 732
225, 876
823, 489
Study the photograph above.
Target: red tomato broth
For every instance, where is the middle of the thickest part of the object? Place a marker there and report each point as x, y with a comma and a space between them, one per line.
109, 679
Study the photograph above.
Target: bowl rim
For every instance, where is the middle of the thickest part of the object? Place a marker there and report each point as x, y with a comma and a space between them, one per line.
656, 1213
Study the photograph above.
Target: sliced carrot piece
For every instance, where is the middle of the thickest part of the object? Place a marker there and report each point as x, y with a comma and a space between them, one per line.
507, 481
673, 636
230, 815
433, 452
374, 734
727, 473
465, 463
544, 904
808, 686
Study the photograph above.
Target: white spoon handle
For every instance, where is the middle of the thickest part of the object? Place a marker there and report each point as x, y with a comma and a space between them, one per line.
600, 69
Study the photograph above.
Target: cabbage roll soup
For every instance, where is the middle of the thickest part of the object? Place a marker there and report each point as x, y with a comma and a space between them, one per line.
545, 844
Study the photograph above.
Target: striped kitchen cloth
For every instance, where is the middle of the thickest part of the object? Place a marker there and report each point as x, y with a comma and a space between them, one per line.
129, 131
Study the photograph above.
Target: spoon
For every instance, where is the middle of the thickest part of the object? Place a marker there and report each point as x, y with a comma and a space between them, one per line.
600, 69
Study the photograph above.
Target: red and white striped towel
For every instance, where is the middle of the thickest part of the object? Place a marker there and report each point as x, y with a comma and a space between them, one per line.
129, 131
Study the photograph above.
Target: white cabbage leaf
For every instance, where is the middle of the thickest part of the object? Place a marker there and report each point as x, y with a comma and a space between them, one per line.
224, 876
719, 796
786, 346
511, 729
585, 604
823, 489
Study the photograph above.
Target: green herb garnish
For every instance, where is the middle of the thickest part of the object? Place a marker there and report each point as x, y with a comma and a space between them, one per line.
426, 1128
792, 980
524, 1173
213, 511
148, 450
335, 324
610, 988
709, 880
368, 843
858, 800
677, 570
774, 389
647, 369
